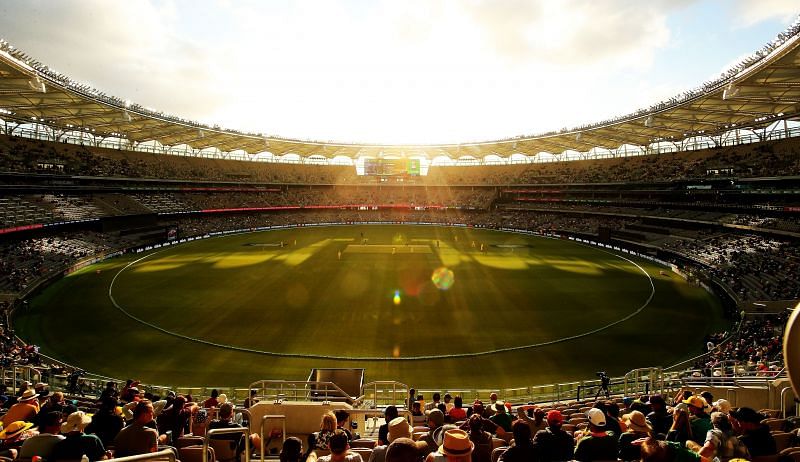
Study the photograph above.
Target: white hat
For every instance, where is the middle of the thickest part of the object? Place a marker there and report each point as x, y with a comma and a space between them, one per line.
596, 417
76, 421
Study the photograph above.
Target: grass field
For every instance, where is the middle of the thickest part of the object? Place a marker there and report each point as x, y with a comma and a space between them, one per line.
378, 301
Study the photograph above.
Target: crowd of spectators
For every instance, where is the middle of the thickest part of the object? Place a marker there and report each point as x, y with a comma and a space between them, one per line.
773, 158
757, 346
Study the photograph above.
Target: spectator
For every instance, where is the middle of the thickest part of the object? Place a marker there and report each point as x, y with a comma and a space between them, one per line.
721, 440
398, 428
455, 447
340, 449
746, 422
140, 437
212, 401
637, 428
481, 439
457, 412
553, 444
681, 430
699, 420
327, 428
435, 422
501, 418
292, 450
597, 444
659, 418
389, 414
77, 444
25, 410
106, 422
538, 421
13, 437
403, 450
523, 448
42, 444
225, 420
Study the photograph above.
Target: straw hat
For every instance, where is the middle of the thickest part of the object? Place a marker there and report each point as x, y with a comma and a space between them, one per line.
14, 429
76, 421
637, 421
27, 395
399, 428
456, 443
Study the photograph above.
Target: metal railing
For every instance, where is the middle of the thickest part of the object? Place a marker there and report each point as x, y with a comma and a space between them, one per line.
282, 419
165, 454
300, 390
227, 431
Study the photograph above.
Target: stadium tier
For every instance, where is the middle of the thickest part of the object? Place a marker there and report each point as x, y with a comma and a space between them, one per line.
295, 289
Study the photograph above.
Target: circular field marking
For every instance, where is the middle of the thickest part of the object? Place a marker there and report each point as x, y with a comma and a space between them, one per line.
587, 333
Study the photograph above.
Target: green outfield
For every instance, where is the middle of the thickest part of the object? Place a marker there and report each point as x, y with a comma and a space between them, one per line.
227, 311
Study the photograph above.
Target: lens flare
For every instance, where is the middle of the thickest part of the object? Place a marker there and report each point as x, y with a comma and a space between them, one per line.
396, 299
443, 278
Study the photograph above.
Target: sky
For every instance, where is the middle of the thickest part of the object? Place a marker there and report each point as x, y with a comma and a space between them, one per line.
393, 71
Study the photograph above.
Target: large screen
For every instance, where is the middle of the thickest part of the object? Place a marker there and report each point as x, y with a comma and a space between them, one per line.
392, 167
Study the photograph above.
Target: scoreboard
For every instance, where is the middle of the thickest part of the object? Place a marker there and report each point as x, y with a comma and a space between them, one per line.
391, 167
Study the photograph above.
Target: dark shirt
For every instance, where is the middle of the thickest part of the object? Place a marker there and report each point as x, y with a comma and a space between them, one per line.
759, 442
627, 450
238, 437
661, 422
526, 453
383, 434
76, 445
597, 446
553, 445
106, 426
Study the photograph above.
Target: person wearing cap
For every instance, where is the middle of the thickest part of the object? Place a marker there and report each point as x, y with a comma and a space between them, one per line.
24, 410
340, 450
659, 418
637, 427
721, 441
553, 444
138, 437
522, 450
597, 443
455, 447
76, 443
746, 422
398, 428
698, 420
42, 444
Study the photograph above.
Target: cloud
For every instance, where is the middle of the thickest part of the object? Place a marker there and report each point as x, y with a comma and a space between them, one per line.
748, 13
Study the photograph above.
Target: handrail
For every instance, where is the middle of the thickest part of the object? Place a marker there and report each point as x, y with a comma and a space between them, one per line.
783, 402
168, 453
264, 419
223, 431
329, 391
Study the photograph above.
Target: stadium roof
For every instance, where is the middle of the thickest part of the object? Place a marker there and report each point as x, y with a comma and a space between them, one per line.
761, 90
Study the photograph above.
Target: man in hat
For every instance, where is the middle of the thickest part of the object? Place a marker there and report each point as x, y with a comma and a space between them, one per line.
13, 437
659, 418
78, 444
637, 427
25, 410
340, 449
138, 437
747, 424
553, 444
597, 443
398, 428
49, 434
699, 420
501, 418
455, 447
